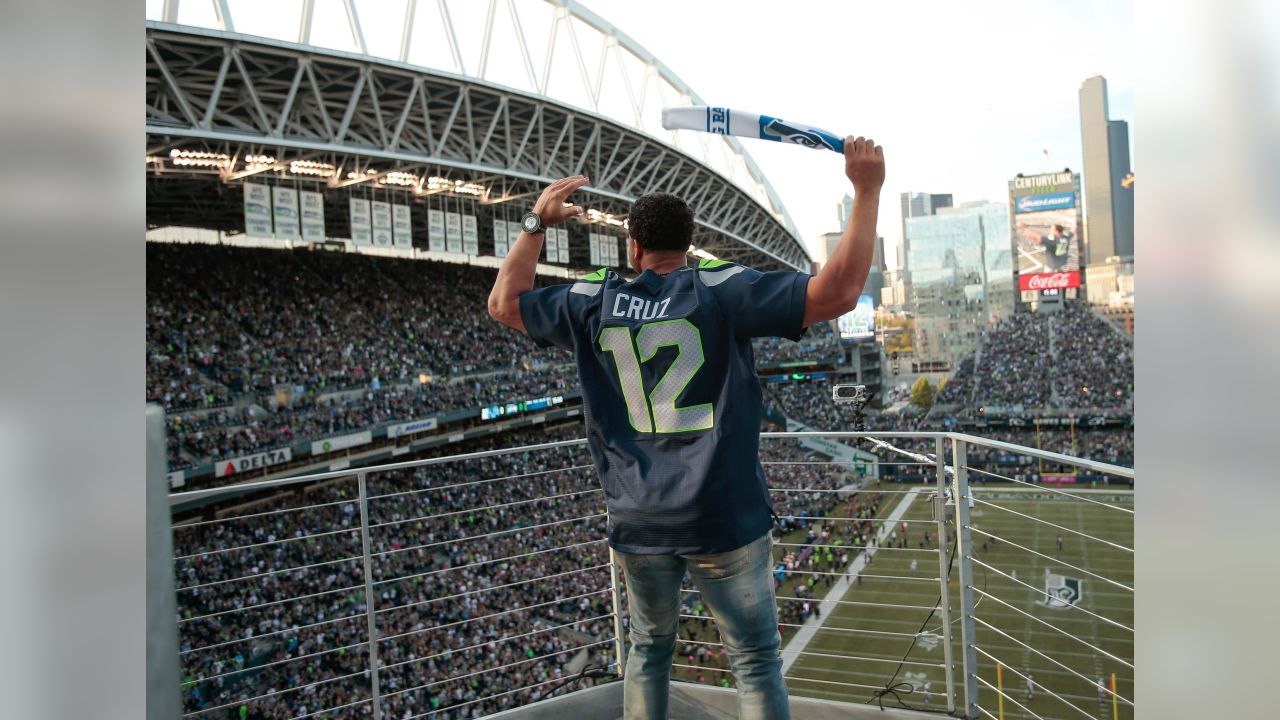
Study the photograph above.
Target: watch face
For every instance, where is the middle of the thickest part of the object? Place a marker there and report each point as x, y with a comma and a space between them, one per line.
529, 222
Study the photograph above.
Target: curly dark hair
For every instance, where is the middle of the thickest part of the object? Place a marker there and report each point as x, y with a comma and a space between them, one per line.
661, 221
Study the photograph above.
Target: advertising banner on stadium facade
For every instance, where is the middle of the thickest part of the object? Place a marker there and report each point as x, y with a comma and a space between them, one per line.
381, 224
402, 226
342, 442
860, 462
435, 230
859, 324
453, 232
223, 468
470, 235
499, 238
410, 428
285, 203
257, 210
361, 230
312, 216
1046, 230
562, 245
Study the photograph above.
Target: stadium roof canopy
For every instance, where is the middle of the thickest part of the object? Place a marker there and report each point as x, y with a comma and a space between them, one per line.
483, 100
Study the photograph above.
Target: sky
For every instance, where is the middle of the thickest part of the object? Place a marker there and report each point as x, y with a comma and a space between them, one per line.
963, 96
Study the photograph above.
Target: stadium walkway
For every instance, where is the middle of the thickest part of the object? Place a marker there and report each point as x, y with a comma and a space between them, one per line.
690, 701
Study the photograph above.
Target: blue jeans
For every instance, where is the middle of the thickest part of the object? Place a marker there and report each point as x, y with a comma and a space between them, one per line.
738, 588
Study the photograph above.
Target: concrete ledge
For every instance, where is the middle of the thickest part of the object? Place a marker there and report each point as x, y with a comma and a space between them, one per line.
690, 701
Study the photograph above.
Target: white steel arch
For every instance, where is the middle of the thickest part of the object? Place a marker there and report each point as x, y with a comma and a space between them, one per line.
554, 48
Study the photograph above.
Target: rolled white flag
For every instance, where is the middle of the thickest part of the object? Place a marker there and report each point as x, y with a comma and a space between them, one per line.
726, 121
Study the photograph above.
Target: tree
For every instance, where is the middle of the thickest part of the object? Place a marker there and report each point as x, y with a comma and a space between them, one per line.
922, 393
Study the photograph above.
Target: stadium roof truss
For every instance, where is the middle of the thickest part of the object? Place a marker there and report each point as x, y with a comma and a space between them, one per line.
232, 106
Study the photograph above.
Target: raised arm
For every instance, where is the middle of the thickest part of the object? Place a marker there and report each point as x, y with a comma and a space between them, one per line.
834, 290
515, 277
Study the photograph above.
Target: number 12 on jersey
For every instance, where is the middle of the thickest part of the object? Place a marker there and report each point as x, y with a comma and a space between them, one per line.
657, 411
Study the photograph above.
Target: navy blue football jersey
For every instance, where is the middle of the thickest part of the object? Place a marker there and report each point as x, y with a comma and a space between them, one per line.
672, 400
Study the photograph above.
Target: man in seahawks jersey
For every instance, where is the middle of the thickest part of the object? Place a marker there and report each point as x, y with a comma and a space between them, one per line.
673, 409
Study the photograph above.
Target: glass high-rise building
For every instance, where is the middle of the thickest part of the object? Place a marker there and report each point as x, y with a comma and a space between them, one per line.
961, 279
919, 204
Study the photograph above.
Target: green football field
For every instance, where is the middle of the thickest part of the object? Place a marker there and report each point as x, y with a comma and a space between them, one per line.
1064, 649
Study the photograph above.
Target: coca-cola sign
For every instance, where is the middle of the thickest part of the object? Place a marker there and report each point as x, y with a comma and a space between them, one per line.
1049, 281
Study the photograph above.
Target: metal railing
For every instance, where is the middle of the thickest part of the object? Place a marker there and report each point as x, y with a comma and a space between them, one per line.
480, 582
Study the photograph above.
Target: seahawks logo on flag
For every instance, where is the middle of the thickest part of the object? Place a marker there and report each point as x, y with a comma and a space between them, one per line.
775, 129
1062, 591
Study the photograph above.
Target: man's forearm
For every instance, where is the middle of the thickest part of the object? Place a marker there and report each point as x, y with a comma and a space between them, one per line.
842, 277
515, 277
851, 262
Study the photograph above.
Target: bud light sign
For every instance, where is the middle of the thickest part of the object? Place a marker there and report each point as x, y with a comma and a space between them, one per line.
1036, 203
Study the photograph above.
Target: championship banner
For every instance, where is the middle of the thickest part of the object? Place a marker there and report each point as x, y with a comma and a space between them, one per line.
225, 468
285, 202
257, 210
312, 216
593, 248
342, 442
453, 232
611, 247
361, 230
381, 224
402, 226
1046, 222
435, 230
470, 235
563, 245
410, 428
551, 239
499, 238
513, 234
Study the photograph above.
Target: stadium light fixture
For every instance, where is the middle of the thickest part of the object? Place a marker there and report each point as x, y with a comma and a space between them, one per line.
402, 179
197, 158
437, 184
313, 168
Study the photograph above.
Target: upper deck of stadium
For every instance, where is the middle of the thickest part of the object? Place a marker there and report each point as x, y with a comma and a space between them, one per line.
485, 101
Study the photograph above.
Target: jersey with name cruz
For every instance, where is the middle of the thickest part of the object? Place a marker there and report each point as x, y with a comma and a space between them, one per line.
671, 397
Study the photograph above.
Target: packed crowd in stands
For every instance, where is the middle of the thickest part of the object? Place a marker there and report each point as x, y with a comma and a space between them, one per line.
488, 576
818, 343
810, 403
1013, 368
1067, 359
254, 428
1093, 362
227, 327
